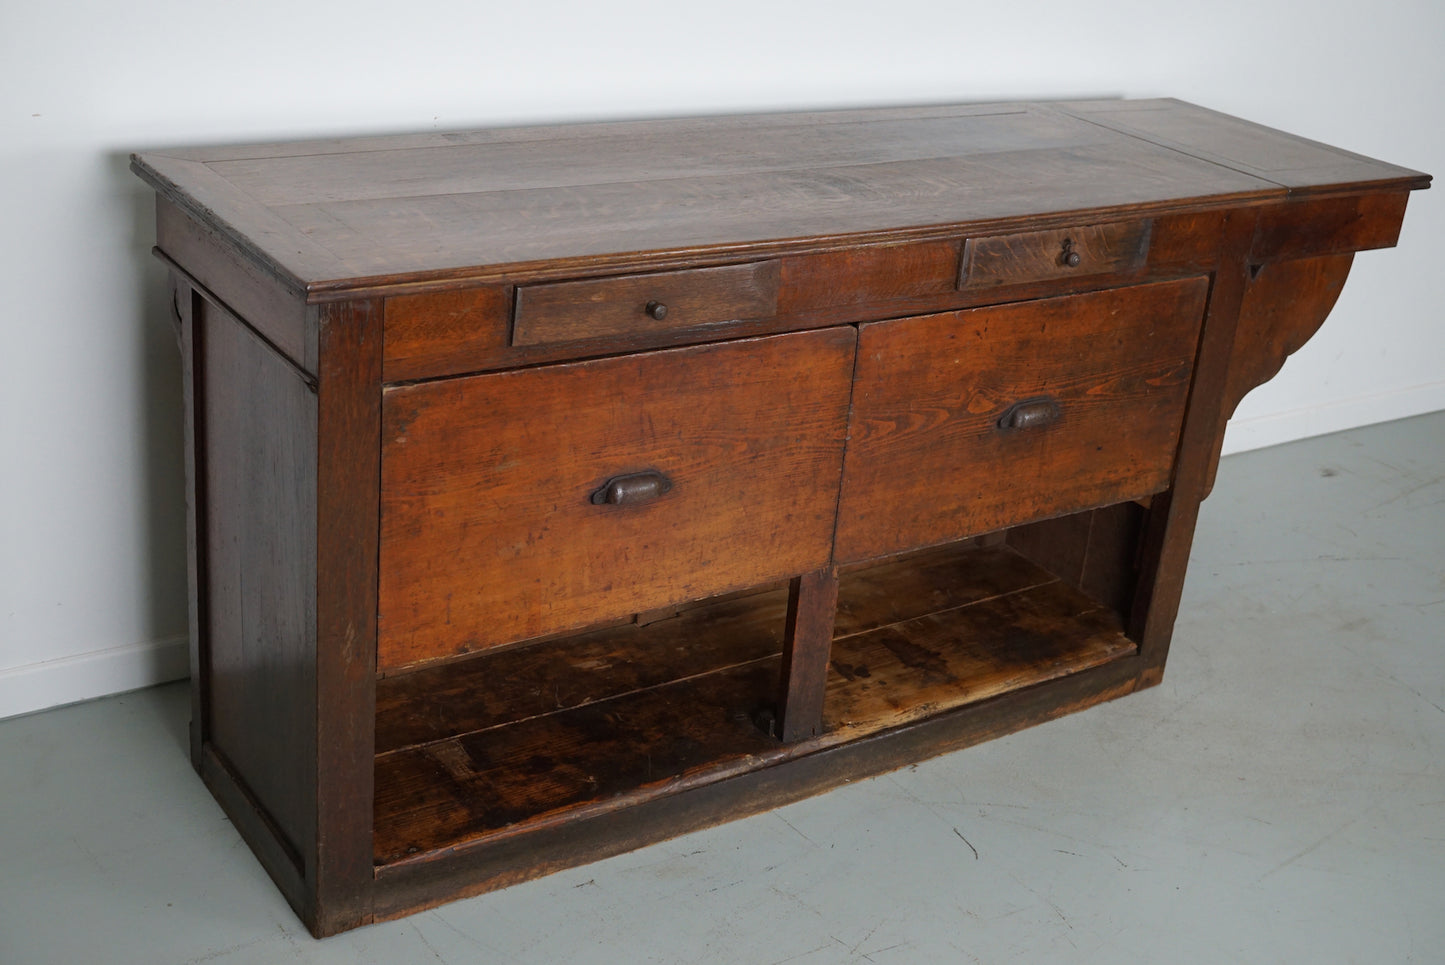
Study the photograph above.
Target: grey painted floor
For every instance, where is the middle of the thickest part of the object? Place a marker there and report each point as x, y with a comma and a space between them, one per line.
1280, 798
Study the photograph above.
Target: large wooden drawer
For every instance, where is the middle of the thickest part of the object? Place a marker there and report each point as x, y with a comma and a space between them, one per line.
524, 503
973, 421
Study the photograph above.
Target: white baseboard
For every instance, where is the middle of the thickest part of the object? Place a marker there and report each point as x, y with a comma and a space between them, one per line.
1281, 427
53, 683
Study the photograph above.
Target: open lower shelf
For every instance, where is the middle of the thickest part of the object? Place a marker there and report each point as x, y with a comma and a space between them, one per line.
505, 743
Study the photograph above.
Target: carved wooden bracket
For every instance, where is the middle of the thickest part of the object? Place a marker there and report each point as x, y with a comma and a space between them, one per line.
1285, 303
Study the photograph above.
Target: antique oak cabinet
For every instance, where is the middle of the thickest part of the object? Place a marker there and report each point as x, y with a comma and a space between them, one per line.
557, 490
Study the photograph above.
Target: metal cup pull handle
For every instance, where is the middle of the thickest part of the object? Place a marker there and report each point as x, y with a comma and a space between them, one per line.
635, 487
1030, 414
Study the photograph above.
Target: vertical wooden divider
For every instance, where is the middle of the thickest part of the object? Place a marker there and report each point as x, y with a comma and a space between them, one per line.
1169, 529
348, 499
812, 604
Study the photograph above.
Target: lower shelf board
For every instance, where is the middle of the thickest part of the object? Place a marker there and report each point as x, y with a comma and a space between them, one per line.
512, 742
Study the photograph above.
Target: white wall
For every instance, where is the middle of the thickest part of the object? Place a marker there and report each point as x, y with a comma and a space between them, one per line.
92, 571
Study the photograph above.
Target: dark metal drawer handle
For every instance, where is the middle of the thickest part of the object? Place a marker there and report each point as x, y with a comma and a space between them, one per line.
636, 487
1070, 257
1030, 414
656, 310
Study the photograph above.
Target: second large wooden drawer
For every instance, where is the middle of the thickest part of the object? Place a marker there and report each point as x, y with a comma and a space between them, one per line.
525, 503
973, 421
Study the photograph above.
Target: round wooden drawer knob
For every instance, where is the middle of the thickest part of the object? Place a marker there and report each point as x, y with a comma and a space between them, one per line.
656, 310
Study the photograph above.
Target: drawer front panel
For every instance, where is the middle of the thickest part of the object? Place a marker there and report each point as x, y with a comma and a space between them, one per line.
1059, 253
525, 503
661, 302
973, 421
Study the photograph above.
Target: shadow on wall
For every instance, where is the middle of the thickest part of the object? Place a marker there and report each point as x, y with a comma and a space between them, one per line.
162, 457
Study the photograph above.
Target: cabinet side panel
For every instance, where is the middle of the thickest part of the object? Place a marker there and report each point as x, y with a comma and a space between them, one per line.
260, 485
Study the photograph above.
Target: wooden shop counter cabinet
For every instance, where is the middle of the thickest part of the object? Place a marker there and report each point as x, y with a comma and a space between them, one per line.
558, 490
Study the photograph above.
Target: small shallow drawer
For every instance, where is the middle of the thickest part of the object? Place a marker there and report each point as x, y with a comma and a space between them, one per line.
526, 503
570, 311
974, 421
1101, 249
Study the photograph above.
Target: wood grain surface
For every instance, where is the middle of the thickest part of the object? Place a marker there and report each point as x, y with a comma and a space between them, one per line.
927, 460
489, 690
444, 333
348, 474
431, 334
907, 671
812, 603
258, 421
493, 689
933, 644
1096, 551
497, 568
426, 207
1299, 164
1285, 303
570, 311
1075, 251
488, 532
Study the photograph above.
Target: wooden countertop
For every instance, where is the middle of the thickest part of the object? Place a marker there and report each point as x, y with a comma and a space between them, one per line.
339, 214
